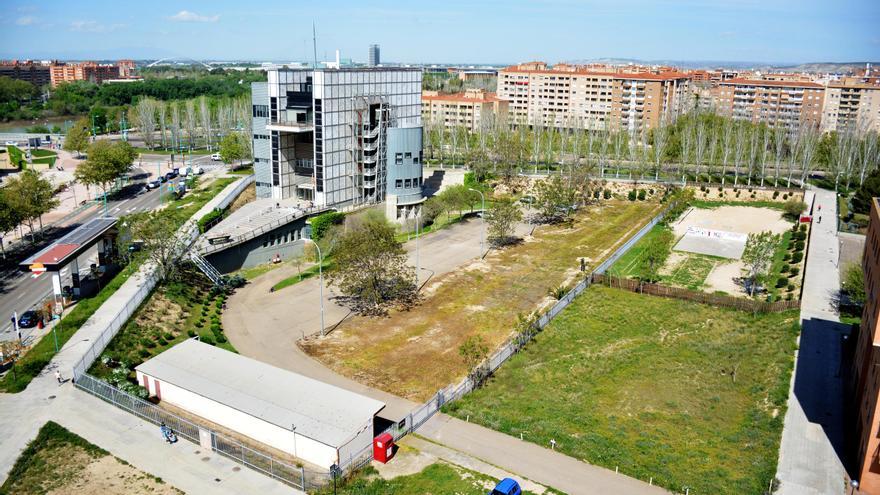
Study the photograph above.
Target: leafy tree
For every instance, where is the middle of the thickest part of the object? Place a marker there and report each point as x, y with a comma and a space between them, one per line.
870, 188
457, 197
31, 196
321, 223
473, 351
98, 119
654, 256
854, 283
431, 209
157, 234
502, 220
555, 198
10, 217
106, 162
77, 138
758, 256
371, 266
233, 147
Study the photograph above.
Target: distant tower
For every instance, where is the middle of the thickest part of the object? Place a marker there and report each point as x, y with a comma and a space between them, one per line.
374, 56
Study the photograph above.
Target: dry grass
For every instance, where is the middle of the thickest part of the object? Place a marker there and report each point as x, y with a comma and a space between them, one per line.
413, 354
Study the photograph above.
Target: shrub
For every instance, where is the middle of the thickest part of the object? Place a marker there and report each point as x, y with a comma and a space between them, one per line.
162, 342
191, 333
208, 339
209, 219
794, 271
781, 282
789, 297
790, 287
793, 207
786, 257
218, 304
799, 245
148, 343
632, 195
641, 194
785, 268
804, 227
323, 222
143, 353
651, 192
797, 257
168, 336
215, 327
606, 194
721, 189
221, 338
775, 194
785, 196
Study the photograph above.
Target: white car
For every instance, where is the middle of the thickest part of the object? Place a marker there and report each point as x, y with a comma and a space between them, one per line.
216, 157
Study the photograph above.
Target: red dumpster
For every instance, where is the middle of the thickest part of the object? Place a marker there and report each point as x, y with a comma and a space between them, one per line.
383, 448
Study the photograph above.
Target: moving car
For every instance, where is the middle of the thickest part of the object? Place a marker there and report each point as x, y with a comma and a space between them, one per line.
216, 157
28, 319
507, 486
153, 184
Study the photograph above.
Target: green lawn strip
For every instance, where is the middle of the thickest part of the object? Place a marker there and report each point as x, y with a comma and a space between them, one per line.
647, 384
691, 272
32, 363
707, 204
307, 273
41, 153
243, 171
49, 160
438, 478
630, 264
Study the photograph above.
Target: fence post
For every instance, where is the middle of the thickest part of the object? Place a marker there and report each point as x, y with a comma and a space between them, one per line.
302, 475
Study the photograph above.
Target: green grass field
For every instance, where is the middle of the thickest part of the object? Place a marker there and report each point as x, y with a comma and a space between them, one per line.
692, 271
630, 265
688, 394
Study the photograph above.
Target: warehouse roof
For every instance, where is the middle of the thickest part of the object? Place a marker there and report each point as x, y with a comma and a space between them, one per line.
320, 411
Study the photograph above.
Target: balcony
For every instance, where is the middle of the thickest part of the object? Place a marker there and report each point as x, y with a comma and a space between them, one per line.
292, 120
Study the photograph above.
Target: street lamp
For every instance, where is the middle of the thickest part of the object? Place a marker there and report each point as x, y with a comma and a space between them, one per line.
854, 484
321, 276
482, 216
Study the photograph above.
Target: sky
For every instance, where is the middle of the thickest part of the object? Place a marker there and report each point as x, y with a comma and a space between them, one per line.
446, 31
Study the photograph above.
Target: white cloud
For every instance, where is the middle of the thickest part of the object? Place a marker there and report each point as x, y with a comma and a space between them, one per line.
187, 16
25, 21
93, 27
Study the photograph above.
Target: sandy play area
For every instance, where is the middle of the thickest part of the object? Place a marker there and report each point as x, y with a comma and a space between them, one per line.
738, 221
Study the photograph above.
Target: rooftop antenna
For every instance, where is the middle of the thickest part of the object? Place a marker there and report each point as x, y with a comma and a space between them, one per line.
314, 47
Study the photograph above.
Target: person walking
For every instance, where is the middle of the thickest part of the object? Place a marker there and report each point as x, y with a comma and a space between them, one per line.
58, 377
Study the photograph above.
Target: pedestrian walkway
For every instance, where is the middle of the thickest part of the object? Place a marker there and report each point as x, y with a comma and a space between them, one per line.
809, 454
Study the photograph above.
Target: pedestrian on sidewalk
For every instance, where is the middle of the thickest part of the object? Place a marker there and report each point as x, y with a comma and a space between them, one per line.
58, 377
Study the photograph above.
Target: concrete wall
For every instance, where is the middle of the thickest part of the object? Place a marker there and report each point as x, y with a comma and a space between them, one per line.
285, 241
282, 439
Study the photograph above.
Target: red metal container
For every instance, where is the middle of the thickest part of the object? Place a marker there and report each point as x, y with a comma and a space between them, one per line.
383, 448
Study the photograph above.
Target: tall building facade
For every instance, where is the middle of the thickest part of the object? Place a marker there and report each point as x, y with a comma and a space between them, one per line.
791, 104
88, 71
340, 137
866, 365
851, 105
573, 97
374, 58
33, 72
473, 109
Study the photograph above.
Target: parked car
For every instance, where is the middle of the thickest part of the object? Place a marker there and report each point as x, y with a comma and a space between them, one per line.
507, 486
163, 178
198, 170
216, 157
28, 319
153, 184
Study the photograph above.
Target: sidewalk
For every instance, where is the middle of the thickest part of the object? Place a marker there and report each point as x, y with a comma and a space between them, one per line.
531, 461
809, 463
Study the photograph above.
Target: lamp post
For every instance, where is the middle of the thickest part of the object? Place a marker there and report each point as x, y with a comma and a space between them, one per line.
853, 485
321, 282
482, 217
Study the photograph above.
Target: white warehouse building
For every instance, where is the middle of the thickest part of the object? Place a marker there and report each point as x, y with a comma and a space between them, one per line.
311, 420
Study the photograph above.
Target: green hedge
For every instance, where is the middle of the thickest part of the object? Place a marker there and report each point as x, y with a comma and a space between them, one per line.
321, 223
16, 157
209, 219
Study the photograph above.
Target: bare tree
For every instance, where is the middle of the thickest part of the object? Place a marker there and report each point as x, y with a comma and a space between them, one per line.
699, 144
727, 137
659, 146
765, 152
162, 113
808, 148
175, 125
739, 148
205, 120
779, 145
145, 120
754, 148
868, 155
190, 123
687, 143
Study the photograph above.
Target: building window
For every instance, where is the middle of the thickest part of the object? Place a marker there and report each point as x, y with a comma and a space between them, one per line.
416, 160
407, 184
398, 183
398, 158
407, 155
261, 110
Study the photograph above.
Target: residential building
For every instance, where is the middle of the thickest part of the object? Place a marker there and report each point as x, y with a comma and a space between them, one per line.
851, 104
866, 365
568, 96
374, 58
789, 103
27, 70
340, 137
86, 71
473, 109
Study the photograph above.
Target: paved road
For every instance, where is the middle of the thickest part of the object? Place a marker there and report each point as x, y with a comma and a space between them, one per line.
809, 460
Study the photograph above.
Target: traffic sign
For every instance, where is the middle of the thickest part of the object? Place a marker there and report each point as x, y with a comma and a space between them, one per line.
38, 268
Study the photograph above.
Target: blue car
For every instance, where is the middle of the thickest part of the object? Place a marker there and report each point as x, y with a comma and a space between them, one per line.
507, 486
28, 319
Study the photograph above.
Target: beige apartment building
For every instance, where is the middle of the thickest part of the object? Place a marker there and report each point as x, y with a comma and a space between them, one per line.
851, 105
90, 71
471, 109
788, 103
567, 96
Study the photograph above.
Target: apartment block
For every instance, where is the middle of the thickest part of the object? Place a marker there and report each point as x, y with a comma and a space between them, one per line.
88, 71
473, 109
35, 73
866, 365
788, 103
339, 137
569, 96
853, 105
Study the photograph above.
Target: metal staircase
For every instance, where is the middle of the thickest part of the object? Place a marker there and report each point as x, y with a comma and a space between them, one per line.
207, 268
